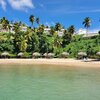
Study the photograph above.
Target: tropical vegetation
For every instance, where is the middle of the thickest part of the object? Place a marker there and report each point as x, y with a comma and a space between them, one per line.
36, 41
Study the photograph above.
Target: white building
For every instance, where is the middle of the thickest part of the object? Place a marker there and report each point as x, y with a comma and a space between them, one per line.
83, 31
60, 33
23, 29
47, 31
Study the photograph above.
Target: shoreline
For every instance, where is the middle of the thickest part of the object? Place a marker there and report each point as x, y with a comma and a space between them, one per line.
53, 62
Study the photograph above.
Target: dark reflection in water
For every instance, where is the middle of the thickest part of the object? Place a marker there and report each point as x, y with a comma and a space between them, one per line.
49, 83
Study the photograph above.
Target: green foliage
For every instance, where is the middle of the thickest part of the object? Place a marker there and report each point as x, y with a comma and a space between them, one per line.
6, 43
80, 44
27, 55
36, 40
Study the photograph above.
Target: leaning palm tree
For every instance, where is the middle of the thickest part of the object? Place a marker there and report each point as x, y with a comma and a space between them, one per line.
87, 24
31, 19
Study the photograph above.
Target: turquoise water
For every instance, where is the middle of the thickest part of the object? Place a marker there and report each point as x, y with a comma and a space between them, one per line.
49, 83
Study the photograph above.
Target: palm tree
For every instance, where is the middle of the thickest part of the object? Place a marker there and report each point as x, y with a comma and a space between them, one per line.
57, 45
66, 38
31, 19
9, 27
52, 31
17, 27
5, 23
58, 27
23, 45
57, 41
41, 29
87, 24
38, 20
28, 34
71, 29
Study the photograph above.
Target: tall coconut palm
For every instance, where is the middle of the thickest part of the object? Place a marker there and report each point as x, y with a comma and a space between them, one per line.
31, 19
87, 24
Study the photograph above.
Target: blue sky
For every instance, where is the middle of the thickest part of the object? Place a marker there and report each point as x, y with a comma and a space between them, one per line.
67, 12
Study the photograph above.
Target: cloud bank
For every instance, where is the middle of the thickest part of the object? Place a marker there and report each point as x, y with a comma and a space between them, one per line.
23, 5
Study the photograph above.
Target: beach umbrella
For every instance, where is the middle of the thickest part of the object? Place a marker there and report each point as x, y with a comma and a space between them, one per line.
98, 53
51, 55
82, 54
5, 54
36, 55
21, 54
65, 54
45, 55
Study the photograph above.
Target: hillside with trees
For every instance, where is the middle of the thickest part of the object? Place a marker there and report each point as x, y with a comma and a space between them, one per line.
35, 39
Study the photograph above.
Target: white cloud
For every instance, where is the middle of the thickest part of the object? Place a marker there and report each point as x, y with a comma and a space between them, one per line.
21, 4
3, 4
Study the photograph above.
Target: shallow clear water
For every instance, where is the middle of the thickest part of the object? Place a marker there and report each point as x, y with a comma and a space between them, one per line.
49, 83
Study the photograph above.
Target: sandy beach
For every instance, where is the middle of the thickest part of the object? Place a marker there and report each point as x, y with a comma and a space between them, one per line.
56, 61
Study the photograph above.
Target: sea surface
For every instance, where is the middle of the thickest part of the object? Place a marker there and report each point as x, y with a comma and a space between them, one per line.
24, 82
